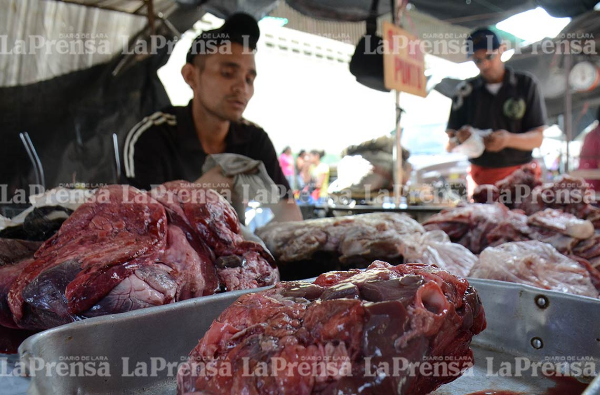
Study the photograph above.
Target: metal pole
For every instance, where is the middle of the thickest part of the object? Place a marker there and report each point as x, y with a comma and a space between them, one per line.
568, 107
399, 8
398, 167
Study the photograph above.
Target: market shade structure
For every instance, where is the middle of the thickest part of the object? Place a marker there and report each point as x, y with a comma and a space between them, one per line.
465, 13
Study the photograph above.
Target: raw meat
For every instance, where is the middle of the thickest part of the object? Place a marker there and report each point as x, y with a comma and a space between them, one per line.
98, 247
521, 190
126, 250
477, 226
564, 223
308, 248
518, 190
14, 250
330, 337
537, 264
469, 225
435, 248
210, 223
590, 249
14, 256
562, 230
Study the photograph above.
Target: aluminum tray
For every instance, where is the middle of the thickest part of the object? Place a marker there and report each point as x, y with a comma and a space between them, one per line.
519, 318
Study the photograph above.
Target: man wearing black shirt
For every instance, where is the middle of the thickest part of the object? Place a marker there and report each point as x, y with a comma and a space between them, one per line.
174, 143
503, 100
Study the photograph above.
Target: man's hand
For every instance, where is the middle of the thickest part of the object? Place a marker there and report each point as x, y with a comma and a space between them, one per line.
455, 138
464, 133
497, 141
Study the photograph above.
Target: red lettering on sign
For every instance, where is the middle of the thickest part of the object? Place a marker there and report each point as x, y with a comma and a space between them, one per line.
408, 73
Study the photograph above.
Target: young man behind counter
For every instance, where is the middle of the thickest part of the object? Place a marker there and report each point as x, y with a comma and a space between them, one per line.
506, 101
173, 144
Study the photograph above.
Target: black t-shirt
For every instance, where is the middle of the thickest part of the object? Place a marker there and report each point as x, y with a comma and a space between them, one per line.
165, 147
517, 107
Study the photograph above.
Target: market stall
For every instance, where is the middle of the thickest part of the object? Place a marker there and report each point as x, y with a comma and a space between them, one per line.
164, 291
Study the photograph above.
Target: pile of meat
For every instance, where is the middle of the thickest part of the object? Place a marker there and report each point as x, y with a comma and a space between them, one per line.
127, 249
521, 190
308, 248
477, 226
537, 264
494, 230
332, 336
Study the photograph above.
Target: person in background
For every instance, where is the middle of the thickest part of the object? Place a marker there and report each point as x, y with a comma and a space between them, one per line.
302, 169
589, 158
320, 174
503, 100
286, 161
174, 143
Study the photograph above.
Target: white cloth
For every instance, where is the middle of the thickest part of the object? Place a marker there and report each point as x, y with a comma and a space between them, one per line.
250, 178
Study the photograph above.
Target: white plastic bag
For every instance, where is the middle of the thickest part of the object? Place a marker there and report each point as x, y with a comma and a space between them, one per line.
435, 248
474, 146
534, 263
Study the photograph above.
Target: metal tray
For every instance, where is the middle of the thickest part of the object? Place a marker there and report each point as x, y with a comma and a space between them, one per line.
520, 318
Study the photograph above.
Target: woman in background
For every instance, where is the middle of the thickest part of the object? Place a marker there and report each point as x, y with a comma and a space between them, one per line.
320, 174
286, 161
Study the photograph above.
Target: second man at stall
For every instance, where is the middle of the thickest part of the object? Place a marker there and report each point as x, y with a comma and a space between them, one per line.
503, 100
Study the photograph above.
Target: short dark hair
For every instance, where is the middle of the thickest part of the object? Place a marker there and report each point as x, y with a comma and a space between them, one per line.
239, 28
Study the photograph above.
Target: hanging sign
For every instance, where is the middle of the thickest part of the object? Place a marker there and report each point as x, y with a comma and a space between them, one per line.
403, 61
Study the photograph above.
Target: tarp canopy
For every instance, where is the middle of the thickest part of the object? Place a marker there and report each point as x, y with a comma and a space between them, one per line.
465, 13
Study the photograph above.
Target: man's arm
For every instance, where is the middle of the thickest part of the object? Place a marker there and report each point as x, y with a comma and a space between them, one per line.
457, 130
527, 141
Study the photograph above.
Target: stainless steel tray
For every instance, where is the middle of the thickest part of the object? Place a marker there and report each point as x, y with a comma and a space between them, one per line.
520, 318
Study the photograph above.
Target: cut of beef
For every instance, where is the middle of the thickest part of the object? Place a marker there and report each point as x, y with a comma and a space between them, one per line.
590, 249
537, 264
14, 256
98, 247
477, 226
14, 250
469, 225
211, 224
308, 248
330, 337
125, 250
521, 190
